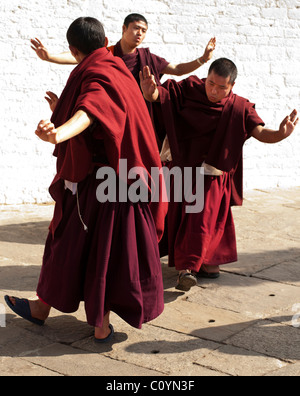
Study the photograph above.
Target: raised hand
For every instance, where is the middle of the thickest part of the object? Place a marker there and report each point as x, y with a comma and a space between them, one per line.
40, 50
288, 125
211, 46
52, 99
148, 85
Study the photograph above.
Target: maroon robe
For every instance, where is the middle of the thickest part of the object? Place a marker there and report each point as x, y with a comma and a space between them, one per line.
198, 131
139, 59
135, 63
115, 265
102, 86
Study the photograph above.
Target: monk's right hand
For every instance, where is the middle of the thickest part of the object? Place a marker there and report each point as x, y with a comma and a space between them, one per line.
46, 131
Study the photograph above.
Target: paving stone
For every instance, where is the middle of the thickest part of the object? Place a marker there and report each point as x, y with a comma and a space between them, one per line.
272, 339
20, 278
70, 361
14, 254
11, 367
291, 370
258, 254
253, 298
202, 321
18, 342
155, 348
18, 214
240, 362
287, 272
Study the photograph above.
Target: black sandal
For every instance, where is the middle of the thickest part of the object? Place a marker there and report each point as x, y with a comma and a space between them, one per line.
108, 338
208, 275
22, 309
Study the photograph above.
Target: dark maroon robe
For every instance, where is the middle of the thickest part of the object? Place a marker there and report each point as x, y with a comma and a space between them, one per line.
198, 131
135, 63
139, 59
115, 265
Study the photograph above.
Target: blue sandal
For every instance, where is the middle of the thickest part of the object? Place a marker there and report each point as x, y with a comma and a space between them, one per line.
108, 338
22, 309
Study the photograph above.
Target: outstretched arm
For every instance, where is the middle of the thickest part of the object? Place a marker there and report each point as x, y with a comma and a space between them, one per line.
185, 68
74, 126
286, 128
148, 85
64, 58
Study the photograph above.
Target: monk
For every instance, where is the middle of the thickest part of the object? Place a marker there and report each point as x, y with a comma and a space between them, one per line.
207, 126
100, 251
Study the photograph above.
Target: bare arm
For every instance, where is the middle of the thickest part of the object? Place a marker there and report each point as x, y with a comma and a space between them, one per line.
148, 85
185, 68
64, 58
286, 128
74, 126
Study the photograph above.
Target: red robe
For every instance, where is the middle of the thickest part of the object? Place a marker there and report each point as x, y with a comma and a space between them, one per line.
141, 58
135, 63
198, 131
115, 266
102, 86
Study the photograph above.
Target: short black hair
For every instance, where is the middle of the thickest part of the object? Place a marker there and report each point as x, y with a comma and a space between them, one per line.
134, 18
86, 34
224, 67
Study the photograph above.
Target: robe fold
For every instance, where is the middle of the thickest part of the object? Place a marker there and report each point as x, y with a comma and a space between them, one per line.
199, 130
115, 265
135, 63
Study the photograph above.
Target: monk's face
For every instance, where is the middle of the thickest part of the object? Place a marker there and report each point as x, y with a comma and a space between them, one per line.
135, 33
217, 87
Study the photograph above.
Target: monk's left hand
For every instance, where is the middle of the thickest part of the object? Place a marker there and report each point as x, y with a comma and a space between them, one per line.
52, 99
288, 125
46, 131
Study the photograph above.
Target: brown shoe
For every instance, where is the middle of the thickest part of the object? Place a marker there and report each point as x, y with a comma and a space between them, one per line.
186, 280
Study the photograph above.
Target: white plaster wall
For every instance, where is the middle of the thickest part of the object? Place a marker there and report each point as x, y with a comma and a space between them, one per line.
261, 37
